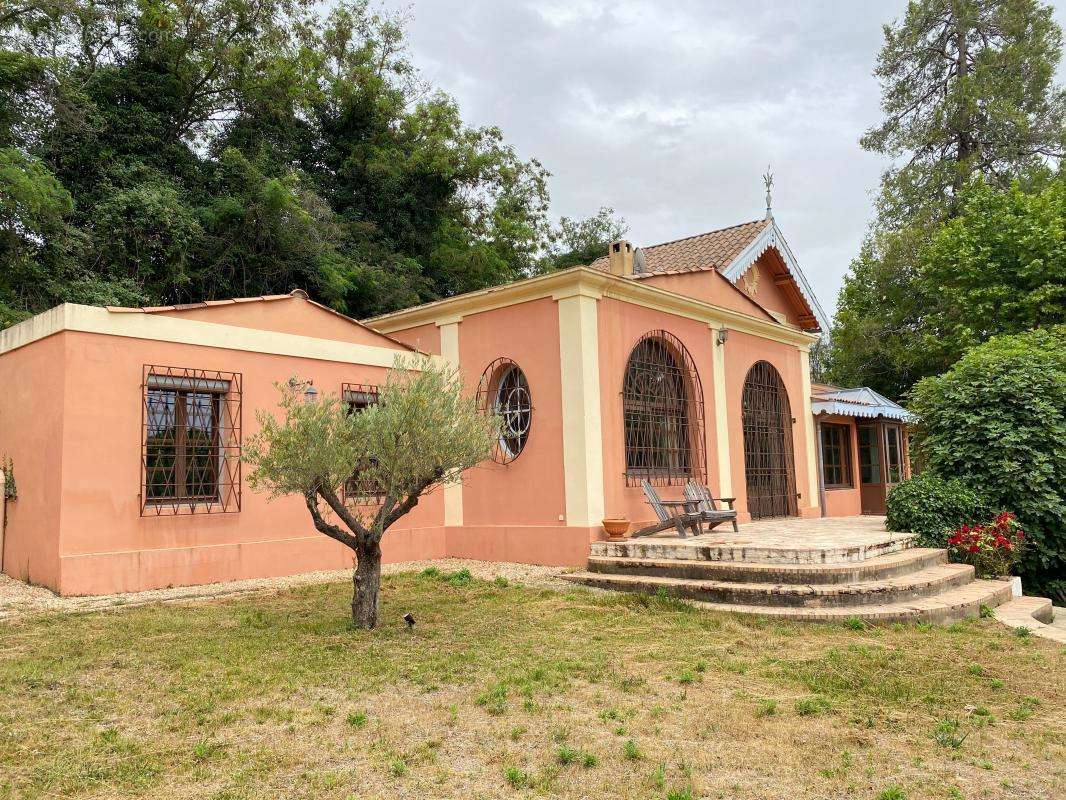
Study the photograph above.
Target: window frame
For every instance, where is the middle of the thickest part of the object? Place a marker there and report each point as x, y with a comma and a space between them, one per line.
841, 447
874, 448
683, 458
487, 400
223, 391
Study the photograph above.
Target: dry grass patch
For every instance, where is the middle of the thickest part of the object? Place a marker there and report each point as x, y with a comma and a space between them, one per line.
502, 690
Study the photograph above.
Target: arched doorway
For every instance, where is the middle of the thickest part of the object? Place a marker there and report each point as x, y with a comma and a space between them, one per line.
769, 467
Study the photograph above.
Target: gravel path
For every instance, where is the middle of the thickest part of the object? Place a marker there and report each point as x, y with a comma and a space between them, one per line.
19, 599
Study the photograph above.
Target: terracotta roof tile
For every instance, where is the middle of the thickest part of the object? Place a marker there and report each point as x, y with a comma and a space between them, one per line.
713, 250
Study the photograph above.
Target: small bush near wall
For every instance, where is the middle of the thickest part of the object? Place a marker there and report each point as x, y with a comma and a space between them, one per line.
997, 418
932, 507
993, 549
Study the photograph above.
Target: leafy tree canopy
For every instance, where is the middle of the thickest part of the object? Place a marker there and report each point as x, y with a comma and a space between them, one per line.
916, 301
975, 126
173, 150
997, 419
582, 241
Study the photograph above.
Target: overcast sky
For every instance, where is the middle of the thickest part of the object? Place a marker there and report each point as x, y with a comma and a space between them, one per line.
670, 111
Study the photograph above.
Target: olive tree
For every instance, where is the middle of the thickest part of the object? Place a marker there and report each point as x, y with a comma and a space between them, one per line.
360, 472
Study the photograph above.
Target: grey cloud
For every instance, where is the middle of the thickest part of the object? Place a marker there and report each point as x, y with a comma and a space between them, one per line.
670, 111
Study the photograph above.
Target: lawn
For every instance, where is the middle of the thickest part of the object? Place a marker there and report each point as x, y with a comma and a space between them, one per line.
510, 691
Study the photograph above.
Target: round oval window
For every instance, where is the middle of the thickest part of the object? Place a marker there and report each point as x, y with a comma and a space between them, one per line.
504, 391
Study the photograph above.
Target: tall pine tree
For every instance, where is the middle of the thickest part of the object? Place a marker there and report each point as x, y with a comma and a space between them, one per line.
968, 93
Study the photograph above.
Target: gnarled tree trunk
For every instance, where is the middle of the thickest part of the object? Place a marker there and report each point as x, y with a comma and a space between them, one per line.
367, 585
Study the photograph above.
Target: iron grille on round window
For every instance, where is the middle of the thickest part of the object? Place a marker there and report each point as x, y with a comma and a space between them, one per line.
662, 408
503, 390
769, 469
190, 441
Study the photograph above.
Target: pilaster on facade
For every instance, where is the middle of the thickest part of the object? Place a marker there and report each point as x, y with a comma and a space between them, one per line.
579, 352
808, 423
721, 415
449, 352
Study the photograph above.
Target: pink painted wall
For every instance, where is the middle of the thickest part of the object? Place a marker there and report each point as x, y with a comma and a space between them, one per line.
621, 325
70, 417
768, 294
517, 511
710, 287
106, 545
288, 315
31, 435
422, 337
844, 502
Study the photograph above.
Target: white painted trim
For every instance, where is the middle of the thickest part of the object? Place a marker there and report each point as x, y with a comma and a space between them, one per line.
162, 328
721, 415
579, 352
771, 236
808, 422
453, 492
592, 283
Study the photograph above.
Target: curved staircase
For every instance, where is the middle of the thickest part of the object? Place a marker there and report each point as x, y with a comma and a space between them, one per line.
874, 575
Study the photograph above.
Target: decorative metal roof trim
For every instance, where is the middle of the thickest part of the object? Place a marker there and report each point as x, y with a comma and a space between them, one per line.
771, 236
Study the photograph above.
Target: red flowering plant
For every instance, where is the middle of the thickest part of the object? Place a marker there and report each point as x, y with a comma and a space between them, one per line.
993, 549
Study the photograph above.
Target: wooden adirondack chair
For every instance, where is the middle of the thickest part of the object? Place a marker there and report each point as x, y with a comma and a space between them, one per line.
682, 519
704, 501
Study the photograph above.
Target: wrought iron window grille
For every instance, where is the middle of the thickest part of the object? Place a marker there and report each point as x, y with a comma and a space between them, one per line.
190, 441
769, 466
662, 410
360, 488
504, 390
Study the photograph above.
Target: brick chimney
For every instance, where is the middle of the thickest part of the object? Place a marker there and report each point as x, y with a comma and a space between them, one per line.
621, 256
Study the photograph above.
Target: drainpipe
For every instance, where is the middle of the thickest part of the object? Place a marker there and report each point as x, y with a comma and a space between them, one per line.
821, 470
3, 515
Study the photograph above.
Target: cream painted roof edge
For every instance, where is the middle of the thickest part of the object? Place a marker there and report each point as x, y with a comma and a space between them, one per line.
265, 298
598, 282
93, 319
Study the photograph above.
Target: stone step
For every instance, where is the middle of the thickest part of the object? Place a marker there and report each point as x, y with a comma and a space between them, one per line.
1034, 613
882, 567
737, 547
965, 602
930, 581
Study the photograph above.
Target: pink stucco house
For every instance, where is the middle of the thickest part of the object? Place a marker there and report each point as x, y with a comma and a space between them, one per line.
684, 360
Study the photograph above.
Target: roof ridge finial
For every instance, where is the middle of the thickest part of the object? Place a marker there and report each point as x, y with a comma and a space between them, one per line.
768, 179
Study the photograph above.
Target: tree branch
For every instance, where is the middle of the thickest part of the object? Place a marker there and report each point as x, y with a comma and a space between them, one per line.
322, 526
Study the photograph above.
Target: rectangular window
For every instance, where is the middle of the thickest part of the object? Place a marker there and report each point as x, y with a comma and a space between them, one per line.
359, 397
893, 454
869, 455
836, 455
191, 441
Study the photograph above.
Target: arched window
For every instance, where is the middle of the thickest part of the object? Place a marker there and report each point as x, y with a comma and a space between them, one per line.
662, 408
503, 390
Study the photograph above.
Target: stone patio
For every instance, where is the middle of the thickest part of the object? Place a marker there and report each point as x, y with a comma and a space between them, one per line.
816, 570
791, 540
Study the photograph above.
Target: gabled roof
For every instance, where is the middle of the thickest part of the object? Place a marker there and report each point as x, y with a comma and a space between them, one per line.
861, 401
731, 251
713, 250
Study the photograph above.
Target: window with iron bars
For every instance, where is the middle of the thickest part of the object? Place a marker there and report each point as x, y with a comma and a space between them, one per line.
190, 441
662, 408
359, 488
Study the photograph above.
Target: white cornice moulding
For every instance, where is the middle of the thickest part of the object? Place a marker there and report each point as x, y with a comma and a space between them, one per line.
162, 328
584, 281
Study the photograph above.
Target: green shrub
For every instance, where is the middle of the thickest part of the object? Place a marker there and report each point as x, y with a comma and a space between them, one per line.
998, 419
931, 507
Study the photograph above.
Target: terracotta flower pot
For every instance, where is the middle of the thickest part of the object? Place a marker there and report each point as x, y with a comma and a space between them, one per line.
616, 529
